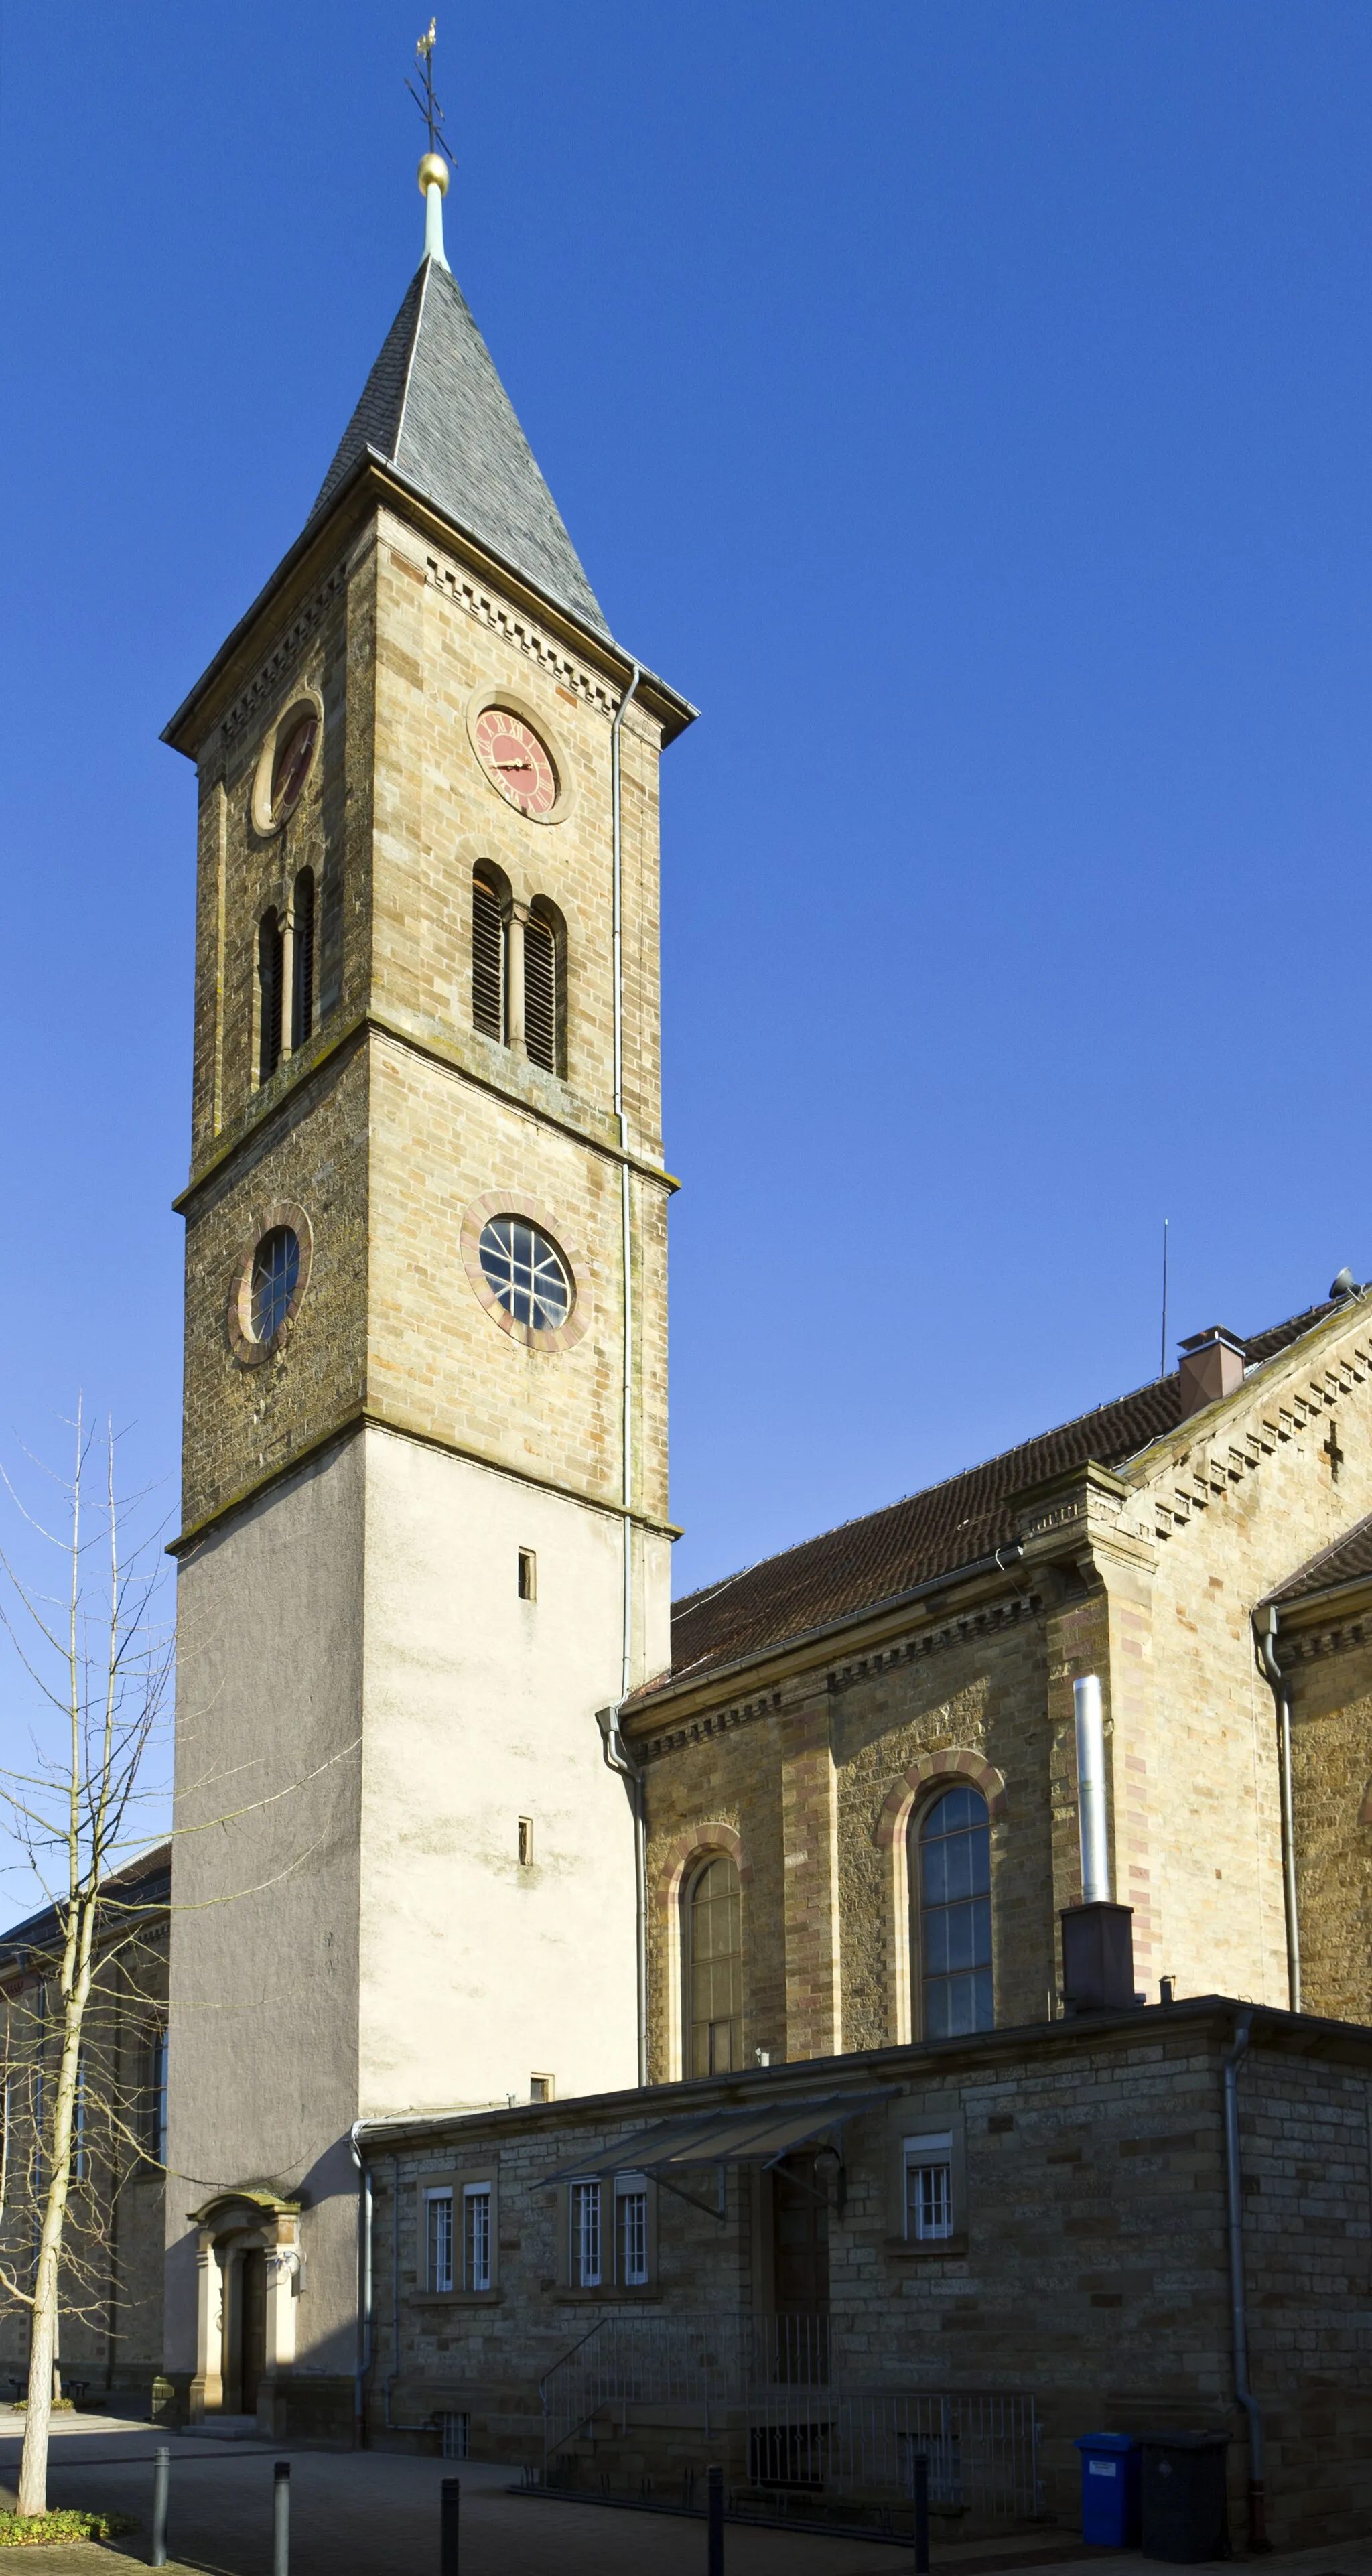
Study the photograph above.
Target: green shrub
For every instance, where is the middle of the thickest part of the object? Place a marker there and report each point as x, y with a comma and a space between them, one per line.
28, 2530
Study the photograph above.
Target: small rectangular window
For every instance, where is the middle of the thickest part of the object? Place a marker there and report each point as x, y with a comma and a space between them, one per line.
528, 1575
439, 2223
541, 2088
585, 2199
929, 2187
526, 1842
476, 2236
631, 2230
456, 2431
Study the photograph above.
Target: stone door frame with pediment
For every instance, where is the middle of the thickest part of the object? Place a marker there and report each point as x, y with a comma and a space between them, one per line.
230, 2226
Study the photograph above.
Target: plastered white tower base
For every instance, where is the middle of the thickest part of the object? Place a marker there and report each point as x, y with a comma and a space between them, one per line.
354, 1934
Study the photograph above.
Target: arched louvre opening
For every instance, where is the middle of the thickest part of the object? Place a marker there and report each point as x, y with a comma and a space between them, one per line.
269, 996
714, 1972
302, 963
488, 959
952, 1857
540, 992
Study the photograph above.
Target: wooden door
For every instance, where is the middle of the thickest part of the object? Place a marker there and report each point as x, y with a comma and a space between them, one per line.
253, 2342
800, 2240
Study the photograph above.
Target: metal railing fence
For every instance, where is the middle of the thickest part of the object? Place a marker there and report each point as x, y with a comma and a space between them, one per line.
772, 2384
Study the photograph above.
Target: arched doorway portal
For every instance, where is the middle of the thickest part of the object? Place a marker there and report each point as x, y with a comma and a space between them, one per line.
248, 2275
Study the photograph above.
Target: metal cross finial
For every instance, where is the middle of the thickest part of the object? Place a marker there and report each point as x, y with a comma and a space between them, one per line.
428, 105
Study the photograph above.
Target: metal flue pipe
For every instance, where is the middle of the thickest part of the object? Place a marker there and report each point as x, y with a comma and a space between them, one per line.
1091, 1808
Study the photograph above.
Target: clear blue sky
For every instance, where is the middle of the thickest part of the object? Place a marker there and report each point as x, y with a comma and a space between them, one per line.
967, 403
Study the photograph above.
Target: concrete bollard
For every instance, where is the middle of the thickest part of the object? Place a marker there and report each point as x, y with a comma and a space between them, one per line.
281, 2520
714, 2521
922, 2514
161, 2482
450, 2497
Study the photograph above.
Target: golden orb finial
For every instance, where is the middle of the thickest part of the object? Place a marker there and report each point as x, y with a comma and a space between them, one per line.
433, 173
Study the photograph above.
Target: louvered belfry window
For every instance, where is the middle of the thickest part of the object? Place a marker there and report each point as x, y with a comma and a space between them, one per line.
488, 960
302, 1000
269, 995
540, 992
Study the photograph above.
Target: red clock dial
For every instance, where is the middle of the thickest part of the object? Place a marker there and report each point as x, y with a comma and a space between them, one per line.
516, 761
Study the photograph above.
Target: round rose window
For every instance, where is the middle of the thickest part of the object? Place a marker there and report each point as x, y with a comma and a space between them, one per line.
526, 1273
291, 767
275, 1277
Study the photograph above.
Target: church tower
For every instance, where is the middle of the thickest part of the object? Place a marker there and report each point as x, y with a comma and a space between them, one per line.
425, 1534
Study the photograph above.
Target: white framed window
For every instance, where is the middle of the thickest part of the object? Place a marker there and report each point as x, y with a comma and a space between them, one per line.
584, 2200
438, 2230
476, 2236
929, 2187
631, 2231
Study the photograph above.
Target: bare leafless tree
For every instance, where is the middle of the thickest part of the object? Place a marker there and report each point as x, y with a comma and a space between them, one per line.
98, 1658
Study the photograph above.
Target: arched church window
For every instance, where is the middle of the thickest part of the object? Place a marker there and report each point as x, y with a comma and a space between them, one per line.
714, 1969
951, 1868
488, 956
542, 989
269, 995
302, 959
275, 1277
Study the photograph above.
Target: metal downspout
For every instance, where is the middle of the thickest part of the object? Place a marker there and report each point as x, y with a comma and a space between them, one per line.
616, 1752
1238, 2301
364, 2300
1265, 1622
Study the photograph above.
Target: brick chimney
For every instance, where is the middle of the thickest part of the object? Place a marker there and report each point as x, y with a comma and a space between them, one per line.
1212, 1365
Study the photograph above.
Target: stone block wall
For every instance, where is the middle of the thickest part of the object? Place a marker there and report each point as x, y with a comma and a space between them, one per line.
1327, 1660
1089, 2266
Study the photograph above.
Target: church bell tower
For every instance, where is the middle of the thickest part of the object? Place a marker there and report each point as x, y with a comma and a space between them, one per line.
424, 1534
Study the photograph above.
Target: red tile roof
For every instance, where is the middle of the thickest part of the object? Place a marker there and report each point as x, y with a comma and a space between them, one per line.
950, 1525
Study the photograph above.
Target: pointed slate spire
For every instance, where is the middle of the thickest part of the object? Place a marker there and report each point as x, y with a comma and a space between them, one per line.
434, 408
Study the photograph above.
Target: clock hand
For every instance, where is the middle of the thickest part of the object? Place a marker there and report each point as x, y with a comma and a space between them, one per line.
514, 764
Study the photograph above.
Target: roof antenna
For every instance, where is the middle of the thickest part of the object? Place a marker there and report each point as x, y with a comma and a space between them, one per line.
433, 169
1163, 1370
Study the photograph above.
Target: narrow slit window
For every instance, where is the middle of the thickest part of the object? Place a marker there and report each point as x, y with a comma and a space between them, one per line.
540, 992
526, 1842
528, 1575
476, 2236
585, 2216
302, 999
439, 2224
488, 960
631, 2231
157, 2097
269, 996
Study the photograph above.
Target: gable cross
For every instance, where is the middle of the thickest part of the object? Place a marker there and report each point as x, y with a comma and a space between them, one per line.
1332, 1451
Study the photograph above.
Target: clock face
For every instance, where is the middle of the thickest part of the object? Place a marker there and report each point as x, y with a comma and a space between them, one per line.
516, 761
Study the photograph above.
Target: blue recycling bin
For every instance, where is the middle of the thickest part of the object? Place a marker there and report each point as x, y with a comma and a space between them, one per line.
1109, 2490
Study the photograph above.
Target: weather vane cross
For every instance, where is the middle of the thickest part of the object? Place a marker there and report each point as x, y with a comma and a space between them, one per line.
433, 169
428, 105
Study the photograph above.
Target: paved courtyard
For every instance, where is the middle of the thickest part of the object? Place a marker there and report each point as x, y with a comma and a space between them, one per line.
371, 2514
